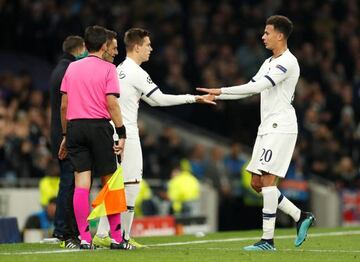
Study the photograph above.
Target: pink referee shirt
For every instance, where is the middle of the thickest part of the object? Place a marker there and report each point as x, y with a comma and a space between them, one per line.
87, 82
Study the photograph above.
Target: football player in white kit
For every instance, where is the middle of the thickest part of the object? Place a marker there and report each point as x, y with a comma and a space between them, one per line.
136, 84
275, 81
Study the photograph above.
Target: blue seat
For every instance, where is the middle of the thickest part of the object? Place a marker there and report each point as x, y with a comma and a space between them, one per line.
9, 231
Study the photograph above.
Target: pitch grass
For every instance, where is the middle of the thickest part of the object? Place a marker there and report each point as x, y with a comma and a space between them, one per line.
340, 244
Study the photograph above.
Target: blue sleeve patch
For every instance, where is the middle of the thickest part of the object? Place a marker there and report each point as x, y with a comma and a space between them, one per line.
281, 68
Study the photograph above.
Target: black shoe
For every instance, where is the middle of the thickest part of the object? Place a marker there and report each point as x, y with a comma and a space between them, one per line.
58, 236
125, 245
70, 243
87, 246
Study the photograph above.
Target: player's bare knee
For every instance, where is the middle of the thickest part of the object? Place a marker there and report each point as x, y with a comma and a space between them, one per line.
256, 186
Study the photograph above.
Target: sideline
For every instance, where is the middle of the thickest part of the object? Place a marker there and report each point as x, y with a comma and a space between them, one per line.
341, 233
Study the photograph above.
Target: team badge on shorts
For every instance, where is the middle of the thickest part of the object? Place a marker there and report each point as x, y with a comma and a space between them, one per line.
274, 125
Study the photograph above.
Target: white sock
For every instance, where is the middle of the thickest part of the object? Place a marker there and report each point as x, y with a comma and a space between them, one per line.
131, 191
127, 218
103, 227
286, 206
270, 198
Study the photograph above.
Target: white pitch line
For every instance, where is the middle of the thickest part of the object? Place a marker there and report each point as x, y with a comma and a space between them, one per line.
278, 250
322, 250
341, 233
42, 252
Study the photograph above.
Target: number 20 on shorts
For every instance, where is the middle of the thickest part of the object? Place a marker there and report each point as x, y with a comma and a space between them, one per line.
266, 155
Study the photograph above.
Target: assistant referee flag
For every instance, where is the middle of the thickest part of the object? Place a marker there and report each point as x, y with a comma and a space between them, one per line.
111, 199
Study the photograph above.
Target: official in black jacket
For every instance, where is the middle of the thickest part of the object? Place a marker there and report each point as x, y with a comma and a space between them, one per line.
65, 224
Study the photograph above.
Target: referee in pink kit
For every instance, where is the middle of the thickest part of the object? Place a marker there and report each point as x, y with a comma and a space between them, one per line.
90, 89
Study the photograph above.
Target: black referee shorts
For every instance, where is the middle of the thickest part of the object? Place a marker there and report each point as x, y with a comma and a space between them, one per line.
90, 146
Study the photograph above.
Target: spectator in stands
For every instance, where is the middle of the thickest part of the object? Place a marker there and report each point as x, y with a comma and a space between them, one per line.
197, 161
216, 174
144, 203
345, 130
170, 150
44, 219
218, 177
5, 164
183, 190
49, 184
234, 163
319, 155
346, 175
149, 147
21, 148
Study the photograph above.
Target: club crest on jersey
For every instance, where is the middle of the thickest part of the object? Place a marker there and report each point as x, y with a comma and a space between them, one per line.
148, 79
281, 68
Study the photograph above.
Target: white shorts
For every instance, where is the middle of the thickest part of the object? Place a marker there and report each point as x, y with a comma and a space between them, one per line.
132, 163
272, 153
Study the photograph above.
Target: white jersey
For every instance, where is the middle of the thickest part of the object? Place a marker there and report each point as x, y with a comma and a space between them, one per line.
276, 81
134, 82
277, 113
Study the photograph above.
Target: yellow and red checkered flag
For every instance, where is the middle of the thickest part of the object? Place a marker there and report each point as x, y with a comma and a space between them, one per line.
111, 199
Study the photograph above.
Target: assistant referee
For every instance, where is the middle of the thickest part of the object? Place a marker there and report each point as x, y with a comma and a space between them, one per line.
90, 90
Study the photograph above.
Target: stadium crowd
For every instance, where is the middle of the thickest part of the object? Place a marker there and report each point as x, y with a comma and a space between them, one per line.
196, 43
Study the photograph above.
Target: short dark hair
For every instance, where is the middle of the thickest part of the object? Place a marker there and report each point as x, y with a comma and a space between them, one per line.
71, 43
52, 201
135, 36
281, 24
110, 35
95, 37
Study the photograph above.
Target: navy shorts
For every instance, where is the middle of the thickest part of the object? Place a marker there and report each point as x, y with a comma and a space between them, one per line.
90, 146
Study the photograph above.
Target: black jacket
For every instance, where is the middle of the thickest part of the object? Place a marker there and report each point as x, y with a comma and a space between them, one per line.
55, 101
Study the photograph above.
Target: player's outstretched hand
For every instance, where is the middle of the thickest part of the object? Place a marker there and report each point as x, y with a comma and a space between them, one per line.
211, 91
205, 99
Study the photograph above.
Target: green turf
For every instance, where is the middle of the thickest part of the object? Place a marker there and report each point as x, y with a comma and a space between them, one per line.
213, 247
